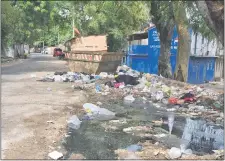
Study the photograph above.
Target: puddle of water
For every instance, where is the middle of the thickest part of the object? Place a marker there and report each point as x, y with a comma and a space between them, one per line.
94, 142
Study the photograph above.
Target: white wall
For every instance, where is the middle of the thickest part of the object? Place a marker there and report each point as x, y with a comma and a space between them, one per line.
27, 49
203, 45
139, 42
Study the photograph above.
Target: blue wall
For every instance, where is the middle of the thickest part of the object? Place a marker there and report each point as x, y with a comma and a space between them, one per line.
201, 69
144, 58
139, 54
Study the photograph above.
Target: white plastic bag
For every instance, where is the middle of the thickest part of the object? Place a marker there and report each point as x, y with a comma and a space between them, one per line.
58, 78
129, 98
174, 153
91, 108
97, 113
159, 95
74, 122
85, 78
103, 74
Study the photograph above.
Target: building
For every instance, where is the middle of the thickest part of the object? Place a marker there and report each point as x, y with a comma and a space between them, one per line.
205, 62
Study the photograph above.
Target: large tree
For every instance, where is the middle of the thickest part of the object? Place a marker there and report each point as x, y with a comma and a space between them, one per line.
184, 41
213, 14
163, 18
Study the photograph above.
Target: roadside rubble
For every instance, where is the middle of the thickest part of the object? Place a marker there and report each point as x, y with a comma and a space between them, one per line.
131, 86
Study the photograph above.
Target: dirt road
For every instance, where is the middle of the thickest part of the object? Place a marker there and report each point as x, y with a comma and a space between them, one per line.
34, 113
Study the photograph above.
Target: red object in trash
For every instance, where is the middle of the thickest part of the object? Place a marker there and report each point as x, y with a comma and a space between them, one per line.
173, 100
189, 99
117, 85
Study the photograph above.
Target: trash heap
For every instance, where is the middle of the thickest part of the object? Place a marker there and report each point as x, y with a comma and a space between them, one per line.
164, 93
73, 77
172, 95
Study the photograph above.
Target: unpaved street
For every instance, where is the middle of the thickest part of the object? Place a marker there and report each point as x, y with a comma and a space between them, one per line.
34, 113
34, 116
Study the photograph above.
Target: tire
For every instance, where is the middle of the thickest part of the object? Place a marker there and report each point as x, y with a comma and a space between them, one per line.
61, 57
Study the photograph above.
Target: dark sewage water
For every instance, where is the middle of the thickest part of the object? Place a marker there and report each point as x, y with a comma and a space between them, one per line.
93, 142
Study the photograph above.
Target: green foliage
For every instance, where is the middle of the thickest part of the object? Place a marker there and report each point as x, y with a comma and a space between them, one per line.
36, 21
197, 22
9, 17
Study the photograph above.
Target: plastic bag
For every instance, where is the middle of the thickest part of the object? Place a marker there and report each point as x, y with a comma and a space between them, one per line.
159, 95
103, 74
170, 123
98, 88
91, 108
134, 148
173, 100
129, 99
85, 78
74, 122
97, 113
58, 78
174, 153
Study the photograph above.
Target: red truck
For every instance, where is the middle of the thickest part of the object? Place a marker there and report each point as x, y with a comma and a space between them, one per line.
58, 53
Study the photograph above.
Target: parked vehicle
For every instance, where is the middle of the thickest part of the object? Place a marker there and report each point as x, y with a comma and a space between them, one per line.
58, 53
44, 51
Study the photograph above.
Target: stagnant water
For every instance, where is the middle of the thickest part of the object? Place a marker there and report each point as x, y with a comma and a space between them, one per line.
92, 141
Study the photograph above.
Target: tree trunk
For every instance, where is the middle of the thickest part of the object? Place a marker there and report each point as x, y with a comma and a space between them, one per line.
213, 13
183, 42
3, 52
165, 30
164, 59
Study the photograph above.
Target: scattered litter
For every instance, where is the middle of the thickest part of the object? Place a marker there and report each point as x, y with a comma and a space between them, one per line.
55, 155
174, 153
50, 122
188, 151
118, 121
170, 122
97, 113
49, 89
134, 148
159, 95
58, 78
74, 122
160, 135
171, 109
129, 99
103, 75
127, 79
98, 88
119, 85
137, 129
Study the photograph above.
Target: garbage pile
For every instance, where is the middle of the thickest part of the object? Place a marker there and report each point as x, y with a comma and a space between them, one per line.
176, 96
173, 96
74, 77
